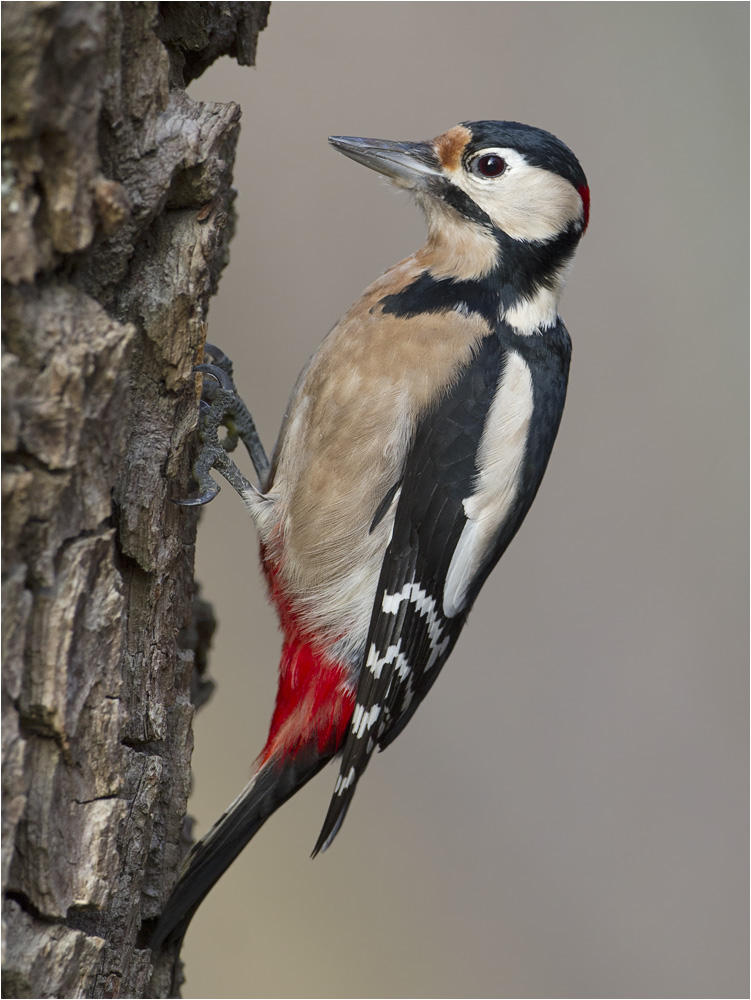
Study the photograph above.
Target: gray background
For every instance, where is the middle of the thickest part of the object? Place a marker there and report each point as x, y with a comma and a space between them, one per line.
566, 815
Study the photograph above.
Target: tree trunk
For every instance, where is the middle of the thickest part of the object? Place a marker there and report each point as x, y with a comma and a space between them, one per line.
117, 213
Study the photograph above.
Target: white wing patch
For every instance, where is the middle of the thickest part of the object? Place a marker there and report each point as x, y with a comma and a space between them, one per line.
499, 459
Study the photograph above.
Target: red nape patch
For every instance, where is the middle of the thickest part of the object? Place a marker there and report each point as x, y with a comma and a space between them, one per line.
314, 703
584, 192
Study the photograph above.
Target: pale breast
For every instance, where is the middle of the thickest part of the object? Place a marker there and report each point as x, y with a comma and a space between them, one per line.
348, 432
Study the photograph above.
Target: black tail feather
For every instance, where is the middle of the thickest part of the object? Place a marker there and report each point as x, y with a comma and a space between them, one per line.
351, 769
212, 856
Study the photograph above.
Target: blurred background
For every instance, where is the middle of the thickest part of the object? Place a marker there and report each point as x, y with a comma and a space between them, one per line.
566, 815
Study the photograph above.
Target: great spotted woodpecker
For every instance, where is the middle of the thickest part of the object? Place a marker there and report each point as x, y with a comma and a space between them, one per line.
413, 446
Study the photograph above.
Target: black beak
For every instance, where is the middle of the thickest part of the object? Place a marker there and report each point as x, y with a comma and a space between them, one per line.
409, 164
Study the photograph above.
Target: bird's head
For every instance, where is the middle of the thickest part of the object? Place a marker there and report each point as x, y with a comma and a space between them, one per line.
508, 198
520, 180
505, 203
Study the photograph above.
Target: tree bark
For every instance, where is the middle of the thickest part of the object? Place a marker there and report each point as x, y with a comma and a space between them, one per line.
117, 214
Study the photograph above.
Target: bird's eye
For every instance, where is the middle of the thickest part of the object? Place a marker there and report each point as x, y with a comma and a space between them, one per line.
489, 165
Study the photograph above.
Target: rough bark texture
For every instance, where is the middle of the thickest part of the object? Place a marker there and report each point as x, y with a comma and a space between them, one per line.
117, 212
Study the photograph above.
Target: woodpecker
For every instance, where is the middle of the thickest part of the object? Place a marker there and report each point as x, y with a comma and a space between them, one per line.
413, 446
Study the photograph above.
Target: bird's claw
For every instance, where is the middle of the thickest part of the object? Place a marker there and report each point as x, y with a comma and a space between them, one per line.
206, 497
220, 358
218, 407
222, 377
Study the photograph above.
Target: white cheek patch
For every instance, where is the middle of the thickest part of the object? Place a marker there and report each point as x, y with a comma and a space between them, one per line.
500, 460
525, 202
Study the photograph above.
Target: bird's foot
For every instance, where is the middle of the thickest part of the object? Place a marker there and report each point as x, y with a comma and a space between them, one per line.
221, 406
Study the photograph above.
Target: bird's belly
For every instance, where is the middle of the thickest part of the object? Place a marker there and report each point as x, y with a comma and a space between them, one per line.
328, 558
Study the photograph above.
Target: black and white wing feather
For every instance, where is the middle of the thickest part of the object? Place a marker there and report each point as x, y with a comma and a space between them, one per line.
410, 636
